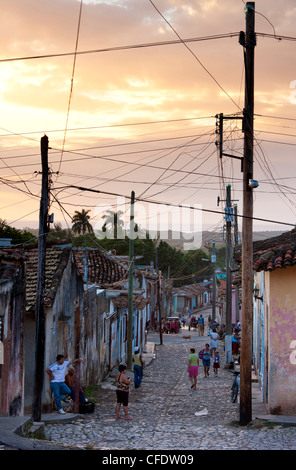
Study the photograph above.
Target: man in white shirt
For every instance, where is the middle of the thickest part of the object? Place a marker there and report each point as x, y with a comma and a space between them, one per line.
57, 372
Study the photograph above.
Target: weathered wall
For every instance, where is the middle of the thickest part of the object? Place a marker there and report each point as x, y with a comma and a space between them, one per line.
60, 323
281, 305
59, 333
12, 371
95, 348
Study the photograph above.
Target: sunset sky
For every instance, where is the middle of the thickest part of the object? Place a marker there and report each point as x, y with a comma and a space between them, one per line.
141, 115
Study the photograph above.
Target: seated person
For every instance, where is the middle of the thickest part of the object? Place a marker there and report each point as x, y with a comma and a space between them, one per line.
70, 380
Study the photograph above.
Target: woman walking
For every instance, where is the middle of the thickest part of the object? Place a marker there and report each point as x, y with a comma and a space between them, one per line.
122, 392
193, 362
214, 341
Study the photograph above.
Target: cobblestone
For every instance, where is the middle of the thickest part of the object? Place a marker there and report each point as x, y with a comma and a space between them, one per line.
164, 408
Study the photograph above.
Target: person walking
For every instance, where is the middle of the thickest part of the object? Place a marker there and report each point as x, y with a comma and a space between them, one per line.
206, 359
122, 392
235, 342
138, 368
193, 363
216, 363
57, 372
213, 341
200, 325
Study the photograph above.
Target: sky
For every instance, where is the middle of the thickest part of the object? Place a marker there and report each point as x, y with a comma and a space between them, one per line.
134, 109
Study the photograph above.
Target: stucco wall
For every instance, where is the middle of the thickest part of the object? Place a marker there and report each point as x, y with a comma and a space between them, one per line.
12, 370
281, 333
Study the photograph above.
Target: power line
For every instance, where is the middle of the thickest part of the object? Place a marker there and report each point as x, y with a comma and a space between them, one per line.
173, 204
194, 55
72, 83
121, 48
107, 126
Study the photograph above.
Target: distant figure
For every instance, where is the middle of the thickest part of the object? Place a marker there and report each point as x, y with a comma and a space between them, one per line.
193, 362
235, 342
206, 359
201, 324
122, 392
216, 363
138, 368
214, 341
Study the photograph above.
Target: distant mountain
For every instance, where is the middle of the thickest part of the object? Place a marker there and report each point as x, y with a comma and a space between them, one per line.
218, 237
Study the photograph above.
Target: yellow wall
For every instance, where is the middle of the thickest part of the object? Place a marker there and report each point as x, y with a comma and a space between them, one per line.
280, 297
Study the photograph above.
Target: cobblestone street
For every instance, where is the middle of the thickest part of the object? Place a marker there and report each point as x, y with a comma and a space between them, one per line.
168, 415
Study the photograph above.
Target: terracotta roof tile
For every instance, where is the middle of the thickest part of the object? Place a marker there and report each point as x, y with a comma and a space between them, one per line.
56, 262
102, 269
10, 259
273, 253
139, 301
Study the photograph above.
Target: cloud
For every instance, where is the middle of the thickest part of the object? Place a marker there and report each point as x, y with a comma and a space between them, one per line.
140, 84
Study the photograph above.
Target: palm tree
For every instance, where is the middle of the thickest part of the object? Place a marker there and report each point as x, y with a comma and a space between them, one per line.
114, 221
81, 223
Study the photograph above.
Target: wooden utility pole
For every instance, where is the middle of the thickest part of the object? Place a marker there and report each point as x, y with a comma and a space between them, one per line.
159, 300
214, 282
228, 326
236, 245
130, 285
247, 242
77, 323
39, 307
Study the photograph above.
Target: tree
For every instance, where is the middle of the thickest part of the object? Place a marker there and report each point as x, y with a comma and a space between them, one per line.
17, 236
81, 224
58, 233
114, 221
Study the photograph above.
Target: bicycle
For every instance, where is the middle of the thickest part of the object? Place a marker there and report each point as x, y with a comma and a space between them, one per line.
235, 387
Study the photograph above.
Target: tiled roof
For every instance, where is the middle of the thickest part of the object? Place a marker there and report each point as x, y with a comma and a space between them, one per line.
56, 261
10, 258
139, 301
273, 253
102, 268
190, 290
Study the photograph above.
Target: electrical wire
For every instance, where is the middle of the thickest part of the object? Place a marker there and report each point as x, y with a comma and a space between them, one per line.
72, 84
121, 48
194, 55
176, 205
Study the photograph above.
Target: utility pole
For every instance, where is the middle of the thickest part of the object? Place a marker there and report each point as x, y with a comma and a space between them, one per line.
130, 285
236, 240
159, 302
77, 323
228, 335
39, 307
249, 43
214, 282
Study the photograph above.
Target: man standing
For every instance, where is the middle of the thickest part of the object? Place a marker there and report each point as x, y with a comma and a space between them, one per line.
138, 368
57, 372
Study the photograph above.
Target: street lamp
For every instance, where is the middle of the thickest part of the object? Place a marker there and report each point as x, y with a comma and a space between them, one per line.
256, 293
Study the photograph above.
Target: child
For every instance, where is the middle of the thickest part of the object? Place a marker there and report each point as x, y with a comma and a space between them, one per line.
216, 363
206, 359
